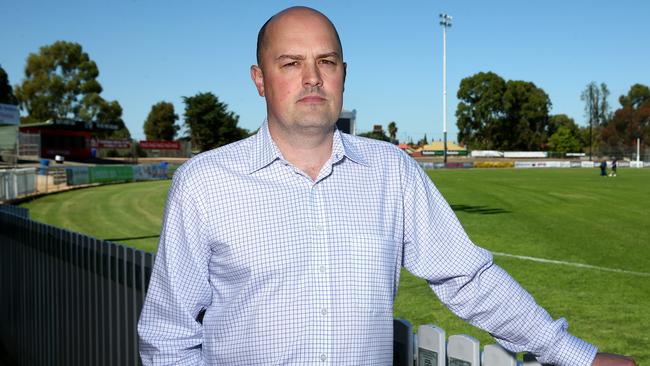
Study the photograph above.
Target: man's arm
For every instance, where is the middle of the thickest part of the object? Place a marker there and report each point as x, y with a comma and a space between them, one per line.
178, 289
465, 279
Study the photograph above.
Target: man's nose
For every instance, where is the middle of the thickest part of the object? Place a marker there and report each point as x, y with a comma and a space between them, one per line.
311, 75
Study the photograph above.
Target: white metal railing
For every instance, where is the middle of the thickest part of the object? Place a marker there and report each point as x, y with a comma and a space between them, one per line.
15, 183
430, 347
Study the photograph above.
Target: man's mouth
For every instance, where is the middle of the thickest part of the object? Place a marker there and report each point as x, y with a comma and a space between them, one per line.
312, 99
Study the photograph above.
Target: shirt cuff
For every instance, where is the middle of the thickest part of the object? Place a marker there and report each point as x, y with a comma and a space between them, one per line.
571, 351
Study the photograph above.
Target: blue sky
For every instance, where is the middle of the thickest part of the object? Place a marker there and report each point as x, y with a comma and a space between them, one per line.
149, 51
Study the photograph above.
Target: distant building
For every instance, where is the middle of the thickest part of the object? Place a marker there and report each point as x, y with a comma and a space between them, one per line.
437, 148
66, 137
347, 122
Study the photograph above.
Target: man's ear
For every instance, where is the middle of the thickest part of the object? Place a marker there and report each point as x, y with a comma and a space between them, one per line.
258, 79
345, 73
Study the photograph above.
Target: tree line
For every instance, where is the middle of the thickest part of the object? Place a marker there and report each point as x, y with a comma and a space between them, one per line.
60, 81
495, 114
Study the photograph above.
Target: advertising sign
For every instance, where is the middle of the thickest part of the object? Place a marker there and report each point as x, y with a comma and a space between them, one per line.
150, 172
110, 174
9, 114
77, 175
160, 145
114, 144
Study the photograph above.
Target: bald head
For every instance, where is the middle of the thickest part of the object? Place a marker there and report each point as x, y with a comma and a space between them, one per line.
262, 39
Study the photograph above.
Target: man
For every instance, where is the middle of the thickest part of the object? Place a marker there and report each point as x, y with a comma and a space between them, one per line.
291, 241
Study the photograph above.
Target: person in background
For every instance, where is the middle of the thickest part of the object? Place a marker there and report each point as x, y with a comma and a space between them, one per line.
614, 166
603, 168
285, 248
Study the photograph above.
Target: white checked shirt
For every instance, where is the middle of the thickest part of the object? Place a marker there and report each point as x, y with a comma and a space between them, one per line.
293, 271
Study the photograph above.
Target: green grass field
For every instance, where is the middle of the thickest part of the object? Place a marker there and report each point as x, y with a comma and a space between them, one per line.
569, 215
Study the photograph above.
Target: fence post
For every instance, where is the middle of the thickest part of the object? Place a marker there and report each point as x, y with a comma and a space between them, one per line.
402, 343
463, 350
432, 346
495, 355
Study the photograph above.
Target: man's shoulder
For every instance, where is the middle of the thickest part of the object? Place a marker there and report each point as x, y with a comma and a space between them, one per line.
231, 157
374, 150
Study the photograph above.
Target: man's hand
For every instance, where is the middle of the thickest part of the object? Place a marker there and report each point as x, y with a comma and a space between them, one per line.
608, 359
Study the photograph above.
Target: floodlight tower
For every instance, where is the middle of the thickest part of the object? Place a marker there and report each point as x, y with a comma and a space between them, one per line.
445, 21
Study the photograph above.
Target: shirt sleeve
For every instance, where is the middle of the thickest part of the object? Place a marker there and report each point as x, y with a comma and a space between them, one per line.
466, 280
179, 289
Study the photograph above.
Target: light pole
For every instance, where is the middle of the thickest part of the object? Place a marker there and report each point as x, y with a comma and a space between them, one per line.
445, 21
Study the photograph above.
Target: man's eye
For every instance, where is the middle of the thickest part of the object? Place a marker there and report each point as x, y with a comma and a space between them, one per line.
327, 62
290, 64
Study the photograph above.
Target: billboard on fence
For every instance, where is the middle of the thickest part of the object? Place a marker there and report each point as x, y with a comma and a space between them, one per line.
160, 145
9, 114
542, 164
487, 154
150, 172
525, 154
110, 174
114, 144
77, 175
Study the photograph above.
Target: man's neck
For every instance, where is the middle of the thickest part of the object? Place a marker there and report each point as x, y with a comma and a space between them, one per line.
308, 149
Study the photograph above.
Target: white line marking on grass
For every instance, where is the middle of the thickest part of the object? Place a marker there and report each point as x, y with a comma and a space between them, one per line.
579, 265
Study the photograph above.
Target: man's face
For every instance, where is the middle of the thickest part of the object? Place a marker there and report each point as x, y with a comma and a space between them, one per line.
301, 73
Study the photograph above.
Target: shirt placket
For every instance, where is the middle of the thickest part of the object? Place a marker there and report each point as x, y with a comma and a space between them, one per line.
321, 270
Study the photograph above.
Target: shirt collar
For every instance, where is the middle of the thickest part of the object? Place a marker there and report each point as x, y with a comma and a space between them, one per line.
343, 146
264, 150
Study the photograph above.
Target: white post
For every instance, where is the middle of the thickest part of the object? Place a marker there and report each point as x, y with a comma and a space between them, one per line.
445, 21
402, 342
638, 151
495, 355
463, 350
444, 90
431, 349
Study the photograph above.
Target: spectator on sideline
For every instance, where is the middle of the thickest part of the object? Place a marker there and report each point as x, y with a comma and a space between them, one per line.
603, 168
290, 242
614, 166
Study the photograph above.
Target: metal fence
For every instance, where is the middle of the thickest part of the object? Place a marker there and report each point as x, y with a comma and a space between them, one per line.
67, 298
15, 183
70, 299
431, 347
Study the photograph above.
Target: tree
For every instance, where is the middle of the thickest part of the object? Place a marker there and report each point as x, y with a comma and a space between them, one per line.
497, 115
209, 122
377, 133
111, 113
637, 95
596, 108
480, 109
392, 132
161, 122
526, 116
6, 91
557, 120
61, 82
423, 141
564, 140
629, 122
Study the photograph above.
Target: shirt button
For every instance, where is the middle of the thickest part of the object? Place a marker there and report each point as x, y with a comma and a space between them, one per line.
323, 357
322, 269
323, 311
320, 227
